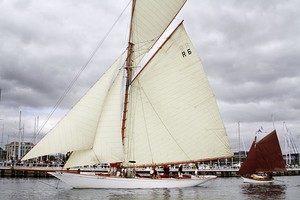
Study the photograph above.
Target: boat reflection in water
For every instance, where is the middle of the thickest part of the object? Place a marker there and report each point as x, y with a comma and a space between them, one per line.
264, 191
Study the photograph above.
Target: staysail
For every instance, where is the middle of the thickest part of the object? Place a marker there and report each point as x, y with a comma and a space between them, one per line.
77, 129
173, 115
107, 147
264, 156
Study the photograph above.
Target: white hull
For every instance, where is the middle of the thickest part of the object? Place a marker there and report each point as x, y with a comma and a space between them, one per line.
95, 181
250, 180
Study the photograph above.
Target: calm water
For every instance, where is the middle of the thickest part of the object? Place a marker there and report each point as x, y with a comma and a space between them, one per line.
287, 187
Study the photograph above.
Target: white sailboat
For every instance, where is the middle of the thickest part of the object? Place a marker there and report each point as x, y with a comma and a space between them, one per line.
167, 114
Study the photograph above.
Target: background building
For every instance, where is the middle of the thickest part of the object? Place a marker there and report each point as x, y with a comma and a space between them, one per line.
2, 154
13, 149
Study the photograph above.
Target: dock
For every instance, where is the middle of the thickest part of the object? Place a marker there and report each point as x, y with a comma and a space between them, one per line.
43, 171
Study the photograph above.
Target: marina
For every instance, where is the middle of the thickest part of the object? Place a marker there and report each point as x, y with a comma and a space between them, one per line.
153, 116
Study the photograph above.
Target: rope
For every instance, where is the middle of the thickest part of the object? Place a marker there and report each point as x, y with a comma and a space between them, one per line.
81, 70
144, 116
168, 131
57, 183
56, 187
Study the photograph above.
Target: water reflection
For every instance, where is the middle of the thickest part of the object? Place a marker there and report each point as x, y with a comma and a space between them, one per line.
264, 191
166, 193
222, 188
147, 194
151, 194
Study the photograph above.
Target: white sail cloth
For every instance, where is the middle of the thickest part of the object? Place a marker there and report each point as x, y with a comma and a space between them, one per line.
107, 147
173, 115
77, 129
149, 20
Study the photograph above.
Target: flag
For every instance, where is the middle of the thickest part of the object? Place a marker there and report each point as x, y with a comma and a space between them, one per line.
260, 130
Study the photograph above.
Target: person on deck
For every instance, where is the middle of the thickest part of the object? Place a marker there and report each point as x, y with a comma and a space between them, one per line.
196, 169
180, 173
118, 170
167, 171
153, 173
113, 169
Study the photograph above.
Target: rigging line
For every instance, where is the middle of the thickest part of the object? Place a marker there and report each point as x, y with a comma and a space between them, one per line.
58, 180
164, 123
146, 128
291, 140
81, 70
294, 147
143, 48
50, 185
95, 155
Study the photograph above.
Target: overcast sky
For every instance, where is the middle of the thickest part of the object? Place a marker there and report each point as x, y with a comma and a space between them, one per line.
250, 51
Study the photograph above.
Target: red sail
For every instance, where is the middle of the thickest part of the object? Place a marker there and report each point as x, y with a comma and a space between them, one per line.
264, 156
249, 165
269, 156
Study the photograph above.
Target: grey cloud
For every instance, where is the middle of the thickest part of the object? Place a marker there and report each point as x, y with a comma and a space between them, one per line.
249, 49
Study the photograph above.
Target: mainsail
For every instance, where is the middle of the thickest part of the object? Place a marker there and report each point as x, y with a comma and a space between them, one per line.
264, 156
173, 115
77, 129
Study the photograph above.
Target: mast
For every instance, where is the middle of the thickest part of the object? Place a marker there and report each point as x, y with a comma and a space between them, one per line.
129, 72
239, 143
20, 133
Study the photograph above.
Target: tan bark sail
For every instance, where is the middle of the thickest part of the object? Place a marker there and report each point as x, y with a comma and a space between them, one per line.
264, 156
173, 115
